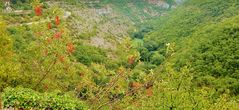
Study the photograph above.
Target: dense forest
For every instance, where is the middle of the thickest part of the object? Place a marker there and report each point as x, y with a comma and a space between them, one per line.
119, 54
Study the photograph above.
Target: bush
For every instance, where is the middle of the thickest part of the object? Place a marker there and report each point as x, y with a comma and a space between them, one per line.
157, 59
28, 99
90, 54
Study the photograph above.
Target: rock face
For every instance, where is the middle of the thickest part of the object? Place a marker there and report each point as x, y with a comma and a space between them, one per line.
153, 1
102, 43
160, 3
104, 11
90, 1
179, 1
105, 26
164, 4
99, 27
8, 6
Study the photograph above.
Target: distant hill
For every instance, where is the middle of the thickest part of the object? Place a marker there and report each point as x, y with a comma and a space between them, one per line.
202, 35
137, 10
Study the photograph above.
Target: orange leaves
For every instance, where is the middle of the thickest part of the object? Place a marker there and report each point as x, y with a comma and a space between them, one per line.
131, 59
57, 20
70, 48
55, 41
57, 35
149, 91
38, 10
62, 58
49, 25
135, 85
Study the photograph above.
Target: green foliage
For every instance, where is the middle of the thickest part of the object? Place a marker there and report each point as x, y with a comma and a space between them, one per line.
205, 37
1, 5
157, 59
175, 90
21, 4
134, 9
170, 2
186, 59
90, 54
140, 34
35, 56
23, 98
218, 49
22, 36
215, 53
184, 21
7, 62
6, 43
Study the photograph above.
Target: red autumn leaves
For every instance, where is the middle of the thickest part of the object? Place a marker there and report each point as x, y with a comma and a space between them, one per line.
57, 35
69, 47
137, 85
49, 25
38, 10
57, 20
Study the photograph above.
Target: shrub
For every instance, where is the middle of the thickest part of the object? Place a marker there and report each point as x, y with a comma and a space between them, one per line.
28, 99
90, 54
157, 59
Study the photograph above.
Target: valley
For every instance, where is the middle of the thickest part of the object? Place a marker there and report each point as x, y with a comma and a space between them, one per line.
119, 55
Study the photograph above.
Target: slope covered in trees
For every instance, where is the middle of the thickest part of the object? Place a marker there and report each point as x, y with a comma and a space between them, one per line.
203, 35
120, 54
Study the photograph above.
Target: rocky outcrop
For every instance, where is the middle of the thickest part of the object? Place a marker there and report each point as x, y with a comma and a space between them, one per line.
103, 11
99, 27
160, 3
8, 6
90, 1
164, 4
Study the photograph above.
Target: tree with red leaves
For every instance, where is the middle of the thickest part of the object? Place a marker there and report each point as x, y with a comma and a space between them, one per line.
52, 50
